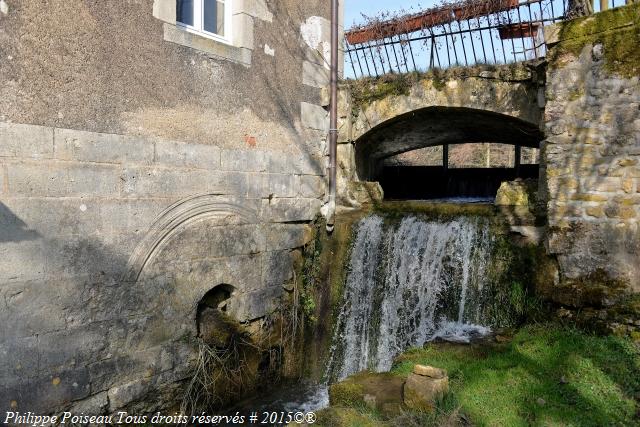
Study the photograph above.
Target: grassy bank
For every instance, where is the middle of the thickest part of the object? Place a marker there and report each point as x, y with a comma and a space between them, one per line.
545, 375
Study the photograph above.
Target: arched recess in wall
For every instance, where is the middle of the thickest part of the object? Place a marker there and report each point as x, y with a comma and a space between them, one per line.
432, 126
210, 319
176, 218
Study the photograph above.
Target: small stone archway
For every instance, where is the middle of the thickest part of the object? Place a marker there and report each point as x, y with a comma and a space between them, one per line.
212, 323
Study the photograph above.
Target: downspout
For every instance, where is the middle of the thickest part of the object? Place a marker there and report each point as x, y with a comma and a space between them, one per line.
333, 118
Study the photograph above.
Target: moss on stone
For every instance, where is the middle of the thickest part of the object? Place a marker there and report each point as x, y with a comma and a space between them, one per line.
576, 94
438, 80
517, 193
346, 417
600, 22
323, 275
617, 30
346, 394
596, 289
368, 90
378, 391
515, 273
436, 210
222, 329
365, 91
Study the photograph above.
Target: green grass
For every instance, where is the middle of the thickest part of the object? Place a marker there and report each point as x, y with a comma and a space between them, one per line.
547, 375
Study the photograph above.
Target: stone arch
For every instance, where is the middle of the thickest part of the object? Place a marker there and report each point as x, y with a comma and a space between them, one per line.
176, 218
439, 125
510, 90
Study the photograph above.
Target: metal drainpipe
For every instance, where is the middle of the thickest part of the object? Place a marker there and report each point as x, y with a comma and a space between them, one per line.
333, 118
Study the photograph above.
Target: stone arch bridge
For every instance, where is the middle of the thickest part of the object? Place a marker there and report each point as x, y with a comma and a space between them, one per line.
385, 117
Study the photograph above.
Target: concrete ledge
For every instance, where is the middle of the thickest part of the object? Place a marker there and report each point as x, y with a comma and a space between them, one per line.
183, 37
152, 181
243, 160
102, 148
58, 179
180, 154
26, 141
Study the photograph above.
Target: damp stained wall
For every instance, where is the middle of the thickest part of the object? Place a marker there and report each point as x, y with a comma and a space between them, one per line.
140, 166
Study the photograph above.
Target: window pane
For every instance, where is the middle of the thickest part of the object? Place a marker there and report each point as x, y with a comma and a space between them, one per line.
214, 16
184, 11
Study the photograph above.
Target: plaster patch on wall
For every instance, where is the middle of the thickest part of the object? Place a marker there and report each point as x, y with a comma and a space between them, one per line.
192, 123
269, 51
315, 32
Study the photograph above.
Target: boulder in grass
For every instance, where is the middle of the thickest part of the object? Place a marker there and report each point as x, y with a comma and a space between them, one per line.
424, 387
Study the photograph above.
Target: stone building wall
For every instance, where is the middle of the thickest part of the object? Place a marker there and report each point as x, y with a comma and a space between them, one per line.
140, 167
592, 156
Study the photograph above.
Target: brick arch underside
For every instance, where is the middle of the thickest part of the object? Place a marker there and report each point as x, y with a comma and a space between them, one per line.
433, 126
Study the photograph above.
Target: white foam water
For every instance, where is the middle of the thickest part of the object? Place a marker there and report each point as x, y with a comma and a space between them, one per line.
401, 279
459, 332
312, 399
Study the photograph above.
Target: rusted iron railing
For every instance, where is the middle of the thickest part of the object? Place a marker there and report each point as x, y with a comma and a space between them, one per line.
462, 33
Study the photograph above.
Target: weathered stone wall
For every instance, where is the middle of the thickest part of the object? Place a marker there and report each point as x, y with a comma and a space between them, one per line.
104, 259
137, 172
592, 155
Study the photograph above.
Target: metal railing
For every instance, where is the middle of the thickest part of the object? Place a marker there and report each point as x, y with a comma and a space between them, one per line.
465, 34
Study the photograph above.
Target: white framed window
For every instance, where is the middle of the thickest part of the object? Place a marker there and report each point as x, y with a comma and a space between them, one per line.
209, 18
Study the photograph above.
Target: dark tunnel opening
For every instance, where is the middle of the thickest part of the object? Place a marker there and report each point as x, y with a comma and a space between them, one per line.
448, 153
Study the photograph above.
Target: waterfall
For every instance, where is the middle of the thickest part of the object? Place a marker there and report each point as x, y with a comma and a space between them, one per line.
407, 284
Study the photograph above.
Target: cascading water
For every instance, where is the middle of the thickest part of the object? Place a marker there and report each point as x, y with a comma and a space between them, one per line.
408, 284
409, 281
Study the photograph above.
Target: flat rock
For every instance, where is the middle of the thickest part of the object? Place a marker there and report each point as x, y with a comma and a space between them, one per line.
429, 371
